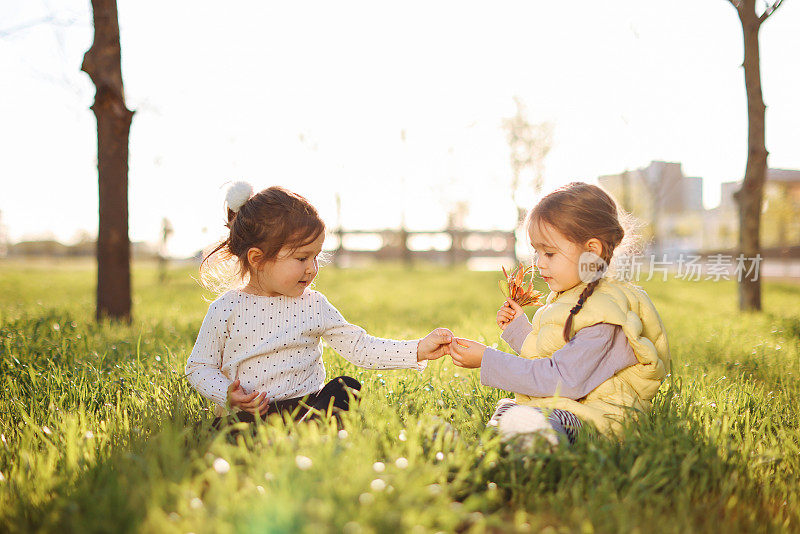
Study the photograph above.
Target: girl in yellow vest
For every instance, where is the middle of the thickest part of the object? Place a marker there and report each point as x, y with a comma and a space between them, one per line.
596, 352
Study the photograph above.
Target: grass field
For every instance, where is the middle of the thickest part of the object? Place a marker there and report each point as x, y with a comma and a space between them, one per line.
101, 433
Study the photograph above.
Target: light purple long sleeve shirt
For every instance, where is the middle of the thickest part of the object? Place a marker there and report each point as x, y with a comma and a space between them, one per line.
592, 356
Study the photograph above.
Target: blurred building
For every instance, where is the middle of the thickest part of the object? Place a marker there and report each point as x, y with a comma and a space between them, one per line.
670, 205
780, 216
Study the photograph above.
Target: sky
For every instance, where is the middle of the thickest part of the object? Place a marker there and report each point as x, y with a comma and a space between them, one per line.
395, 106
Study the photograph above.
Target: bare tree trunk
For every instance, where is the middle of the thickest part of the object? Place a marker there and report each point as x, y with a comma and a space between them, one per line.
103, 65
750, 197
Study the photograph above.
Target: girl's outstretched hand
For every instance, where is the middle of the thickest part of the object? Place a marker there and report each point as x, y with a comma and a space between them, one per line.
467, 353
509, 311
434, 345
254, 403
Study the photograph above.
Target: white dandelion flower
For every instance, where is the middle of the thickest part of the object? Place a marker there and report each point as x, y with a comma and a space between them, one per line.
221, 466
304, 463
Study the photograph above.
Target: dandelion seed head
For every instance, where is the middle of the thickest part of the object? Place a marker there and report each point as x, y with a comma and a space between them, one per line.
402, 435
440, 456
342, 434
261, 490
491, 486
269, 476
89, 434
304, 463
221, 466
366, 499
196, 503
379, 467
377, 485
434, 489
401, 463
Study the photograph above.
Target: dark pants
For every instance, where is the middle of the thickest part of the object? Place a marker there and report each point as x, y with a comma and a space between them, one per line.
335, 395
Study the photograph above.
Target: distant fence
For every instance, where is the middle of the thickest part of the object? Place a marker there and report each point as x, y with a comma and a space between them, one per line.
447, 246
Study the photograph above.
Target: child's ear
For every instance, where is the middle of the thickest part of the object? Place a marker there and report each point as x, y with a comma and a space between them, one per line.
594, 246
254, 257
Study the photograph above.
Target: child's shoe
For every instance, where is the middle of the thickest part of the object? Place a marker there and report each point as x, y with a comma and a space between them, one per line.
529, 424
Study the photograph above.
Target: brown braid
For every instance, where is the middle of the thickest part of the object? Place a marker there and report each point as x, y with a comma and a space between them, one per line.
587, 291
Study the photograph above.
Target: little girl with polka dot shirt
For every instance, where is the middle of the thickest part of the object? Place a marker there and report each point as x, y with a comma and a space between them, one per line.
259, 350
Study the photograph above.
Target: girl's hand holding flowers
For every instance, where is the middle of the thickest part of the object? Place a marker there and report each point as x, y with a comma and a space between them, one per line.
253, 403
467, 353
509, 311
519, 292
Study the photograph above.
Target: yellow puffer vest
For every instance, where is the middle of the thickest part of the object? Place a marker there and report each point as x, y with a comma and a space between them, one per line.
615, 303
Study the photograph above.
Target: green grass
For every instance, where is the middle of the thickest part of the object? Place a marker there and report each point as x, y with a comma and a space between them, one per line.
100, 431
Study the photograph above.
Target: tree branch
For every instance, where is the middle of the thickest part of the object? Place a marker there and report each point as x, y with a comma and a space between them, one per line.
769, 10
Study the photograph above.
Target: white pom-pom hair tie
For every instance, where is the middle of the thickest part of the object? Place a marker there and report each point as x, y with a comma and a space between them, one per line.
238, 194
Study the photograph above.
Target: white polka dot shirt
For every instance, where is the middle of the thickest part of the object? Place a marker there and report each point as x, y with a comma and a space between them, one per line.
273, 345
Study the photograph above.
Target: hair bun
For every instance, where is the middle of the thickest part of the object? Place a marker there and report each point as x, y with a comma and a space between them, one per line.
238, 194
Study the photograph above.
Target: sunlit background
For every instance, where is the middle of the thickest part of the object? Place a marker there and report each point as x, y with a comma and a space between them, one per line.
396, 107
